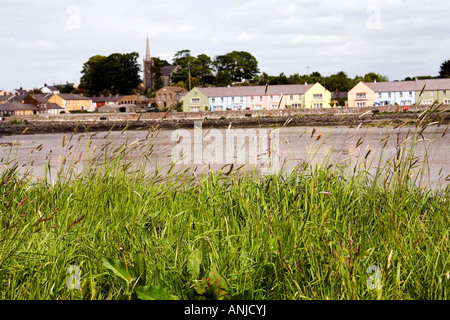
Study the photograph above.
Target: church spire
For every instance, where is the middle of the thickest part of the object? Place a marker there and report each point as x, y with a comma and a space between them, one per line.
147, 52
148, 77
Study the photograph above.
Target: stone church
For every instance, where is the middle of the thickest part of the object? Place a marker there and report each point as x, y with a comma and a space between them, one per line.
166, 71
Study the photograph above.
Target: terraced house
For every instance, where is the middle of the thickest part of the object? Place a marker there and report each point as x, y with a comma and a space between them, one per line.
435, 90
257, 98
402, 93
72, 102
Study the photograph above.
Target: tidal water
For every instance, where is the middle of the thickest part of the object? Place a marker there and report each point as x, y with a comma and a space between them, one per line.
200, 149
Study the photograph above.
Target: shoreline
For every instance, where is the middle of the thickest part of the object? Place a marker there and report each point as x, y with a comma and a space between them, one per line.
28, 125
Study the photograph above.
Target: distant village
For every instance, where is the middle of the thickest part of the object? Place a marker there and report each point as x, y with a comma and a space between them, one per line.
55, 99
171, 98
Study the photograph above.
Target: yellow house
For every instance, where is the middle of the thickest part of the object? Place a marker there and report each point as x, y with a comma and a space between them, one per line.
72, 102
317, 97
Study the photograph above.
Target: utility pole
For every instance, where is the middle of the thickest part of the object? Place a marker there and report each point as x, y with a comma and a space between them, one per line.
189, 69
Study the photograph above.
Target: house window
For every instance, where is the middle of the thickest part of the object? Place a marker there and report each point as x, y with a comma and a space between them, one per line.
410, 94
213, 100
401, 94
379, 95
431, 93
295, 105
232, 99
195, 100
361, 95
260, 98
257, 107
221, 99
446, 101
300, 96
251, 98
170, 96
291, 97
317, 96
360, 104
444, 92
389, 95
317, 105
427, 101
165, 97
195, 109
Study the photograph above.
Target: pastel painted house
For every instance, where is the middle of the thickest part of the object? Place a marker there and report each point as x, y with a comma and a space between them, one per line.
72, 102
195, 100
393, 93
360, 96
434, 90
257, 98
317, 97
402, 93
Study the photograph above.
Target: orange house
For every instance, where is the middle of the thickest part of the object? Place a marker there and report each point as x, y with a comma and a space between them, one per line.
361, 96
72, 102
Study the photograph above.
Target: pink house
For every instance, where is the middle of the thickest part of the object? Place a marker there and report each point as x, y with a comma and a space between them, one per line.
277, 97
361, 96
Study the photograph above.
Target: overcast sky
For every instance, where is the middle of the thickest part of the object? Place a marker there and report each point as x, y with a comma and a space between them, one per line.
47, 41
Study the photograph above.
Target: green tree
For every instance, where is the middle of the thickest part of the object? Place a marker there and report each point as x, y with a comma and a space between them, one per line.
93, 77
444, 72
223, 78
192, 69
241, 65
372, 76
117, 73
338, 82
280, 79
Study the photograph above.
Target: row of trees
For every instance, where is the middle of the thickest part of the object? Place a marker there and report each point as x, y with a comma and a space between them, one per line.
202, 70
120, 73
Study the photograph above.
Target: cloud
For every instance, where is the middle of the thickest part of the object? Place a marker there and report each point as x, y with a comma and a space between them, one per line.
393, 37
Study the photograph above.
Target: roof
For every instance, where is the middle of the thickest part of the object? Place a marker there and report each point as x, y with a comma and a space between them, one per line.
168, 70
54, 106
107, 99
414, 85
255, 90
42, 97
51, 88
339, 95
5, 97
71, 96
172, 89
14, 106
12, 97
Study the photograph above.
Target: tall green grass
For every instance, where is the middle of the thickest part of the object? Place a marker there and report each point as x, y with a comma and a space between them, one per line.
310, 233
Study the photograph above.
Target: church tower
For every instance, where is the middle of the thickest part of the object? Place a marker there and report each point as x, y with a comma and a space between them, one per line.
148, 63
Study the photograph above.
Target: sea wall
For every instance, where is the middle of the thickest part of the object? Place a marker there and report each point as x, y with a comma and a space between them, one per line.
219, 119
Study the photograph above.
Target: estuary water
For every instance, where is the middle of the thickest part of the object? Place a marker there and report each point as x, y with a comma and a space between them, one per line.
201, 149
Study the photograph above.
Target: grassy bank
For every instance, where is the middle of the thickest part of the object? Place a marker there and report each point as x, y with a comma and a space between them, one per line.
323, 232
